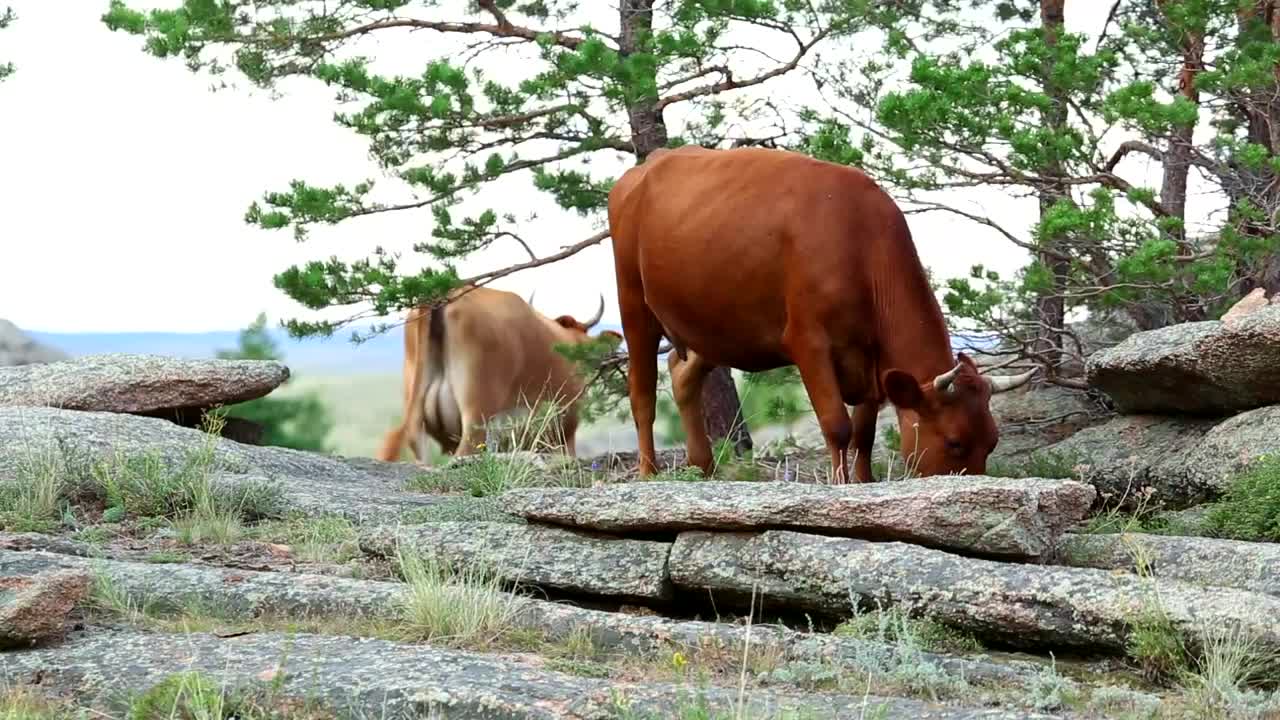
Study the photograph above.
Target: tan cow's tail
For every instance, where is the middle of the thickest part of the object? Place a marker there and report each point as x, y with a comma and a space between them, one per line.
432, 365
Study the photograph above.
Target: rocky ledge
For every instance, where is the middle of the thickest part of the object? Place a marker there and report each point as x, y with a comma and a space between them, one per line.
1018, 519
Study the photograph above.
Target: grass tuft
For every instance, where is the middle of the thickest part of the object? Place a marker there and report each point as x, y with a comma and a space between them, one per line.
462, 607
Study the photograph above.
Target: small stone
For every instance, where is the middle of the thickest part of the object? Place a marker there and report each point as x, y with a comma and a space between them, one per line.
35, 608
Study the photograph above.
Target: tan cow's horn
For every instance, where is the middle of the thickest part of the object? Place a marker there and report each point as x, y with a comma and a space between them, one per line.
535, 292
942, 383
595, 319
1001, 383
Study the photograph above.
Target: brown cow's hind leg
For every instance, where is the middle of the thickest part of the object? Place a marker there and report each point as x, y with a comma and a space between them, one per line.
642, 333
687, 378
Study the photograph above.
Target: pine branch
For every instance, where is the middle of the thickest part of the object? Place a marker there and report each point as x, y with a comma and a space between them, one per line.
503, 29
729, 83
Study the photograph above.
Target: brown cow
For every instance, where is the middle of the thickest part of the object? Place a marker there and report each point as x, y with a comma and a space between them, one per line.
487, 353
757, 259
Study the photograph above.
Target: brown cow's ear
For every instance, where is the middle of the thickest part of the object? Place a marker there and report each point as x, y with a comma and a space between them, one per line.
903, 390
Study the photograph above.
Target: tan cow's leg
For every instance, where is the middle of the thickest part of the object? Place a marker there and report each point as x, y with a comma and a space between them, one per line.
569, 431
687, 378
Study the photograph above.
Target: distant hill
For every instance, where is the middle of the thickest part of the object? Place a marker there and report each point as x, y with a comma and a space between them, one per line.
329, 356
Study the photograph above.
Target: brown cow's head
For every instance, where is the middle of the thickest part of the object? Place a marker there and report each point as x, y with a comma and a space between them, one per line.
945, 422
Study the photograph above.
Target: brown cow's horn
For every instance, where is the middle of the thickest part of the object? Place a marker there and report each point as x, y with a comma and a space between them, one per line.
535, 292
1001, 383
595, 319
942, 383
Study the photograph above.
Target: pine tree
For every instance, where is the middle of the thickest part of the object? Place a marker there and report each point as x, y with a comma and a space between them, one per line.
1004, 97
7, 16
300, 422
609, 87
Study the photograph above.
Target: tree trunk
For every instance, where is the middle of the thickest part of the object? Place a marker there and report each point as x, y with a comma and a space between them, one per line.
1177, 166
1051, 307
723, 408
1261, 111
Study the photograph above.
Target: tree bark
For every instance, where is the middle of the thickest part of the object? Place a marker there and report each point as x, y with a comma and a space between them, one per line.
1177, 166
1051, 307
722, 406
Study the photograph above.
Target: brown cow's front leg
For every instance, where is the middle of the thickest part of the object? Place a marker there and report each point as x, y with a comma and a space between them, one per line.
864, 436
813, 359
687, 378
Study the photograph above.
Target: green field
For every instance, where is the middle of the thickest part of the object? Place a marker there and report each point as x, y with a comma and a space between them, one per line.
365, 406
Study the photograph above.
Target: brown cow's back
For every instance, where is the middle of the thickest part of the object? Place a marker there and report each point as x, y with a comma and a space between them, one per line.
721, 239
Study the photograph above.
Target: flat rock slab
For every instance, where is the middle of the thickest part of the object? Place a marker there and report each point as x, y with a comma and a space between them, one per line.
172, 587
1023, 605
547, 557
1199, 368
361, 677
1203, 561
1019, 518
131, 383
357, 488
242, 594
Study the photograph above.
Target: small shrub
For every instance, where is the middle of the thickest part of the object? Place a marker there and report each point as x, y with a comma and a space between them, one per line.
892, 625
896, 656
1156, 645
1050, 691
1118, 702
185, 696
892, 439
1250, 509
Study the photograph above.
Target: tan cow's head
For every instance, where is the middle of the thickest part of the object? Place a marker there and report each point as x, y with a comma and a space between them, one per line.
571, 323
946, 422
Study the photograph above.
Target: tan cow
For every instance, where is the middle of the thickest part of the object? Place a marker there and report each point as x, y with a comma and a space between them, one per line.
488, 352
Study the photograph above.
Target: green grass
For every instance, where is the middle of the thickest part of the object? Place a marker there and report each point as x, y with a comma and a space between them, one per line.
50, 482
329, 538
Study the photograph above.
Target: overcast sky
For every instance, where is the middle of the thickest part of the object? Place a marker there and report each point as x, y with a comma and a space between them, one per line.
124, 182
